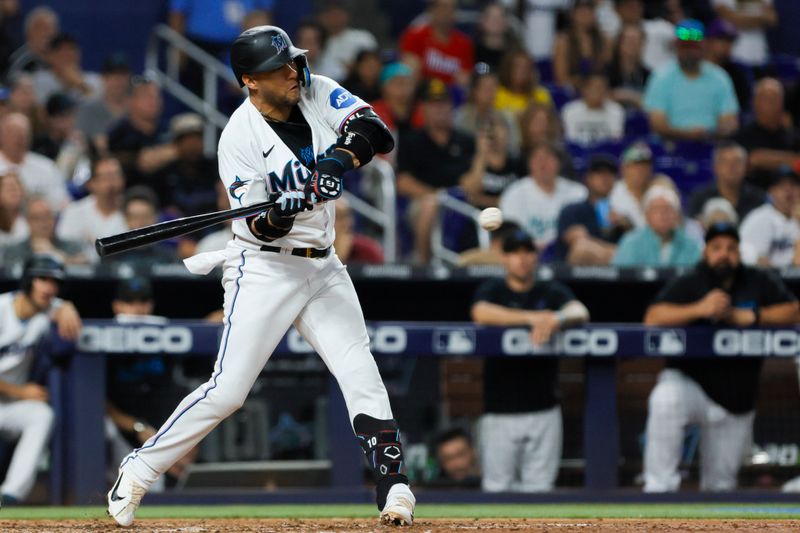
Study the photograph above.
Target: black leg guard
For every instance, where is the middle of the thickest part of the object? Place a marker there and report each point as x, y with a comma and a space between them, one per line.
380, 440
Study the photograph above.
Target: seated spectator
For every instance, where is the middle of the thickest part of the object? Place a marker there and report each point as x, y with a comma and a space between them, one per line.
540, 124
721, 35
479, 111
580, 48
752, 18
398, 107
457, 460
594, 117
662, 242
22, 99
343, 43
772, 231
493, 167
140, 209
588, 230
97, 116
535, 201
185, 186
772, 144
637, 174
519, 84
218, 239
436, 49
521, 433
627, 75
494, 36
42, 239
730, 164
41, 25
494, 254
658, 36
364, 78
431, 159
691, 99
13, 226
39, 174
98, 214
351, 247
719, 396
64, 143
136, 139
64, 73
25, 415
311, 36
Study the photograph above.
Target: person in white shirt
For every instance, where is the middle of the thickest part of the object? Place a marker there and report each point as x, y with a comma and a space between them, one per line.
343, 43
65, 73
25, 317
659, 33
99, 214
636, 175
770, 233
535, 201
39, 174
751, 18
595, 117
539, 18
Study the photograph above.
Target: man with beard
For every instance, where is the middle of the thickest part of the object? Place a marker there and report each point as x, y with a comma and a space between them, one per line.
691, 99
718, 396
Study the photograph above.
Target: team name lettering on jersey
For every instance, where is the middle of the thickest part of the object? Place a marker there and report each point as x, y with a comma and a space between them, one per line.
293, 177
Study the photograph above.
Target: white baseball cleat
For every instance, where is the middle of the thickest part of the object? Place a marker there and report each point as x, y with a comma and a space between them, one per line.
123, 499
399, 508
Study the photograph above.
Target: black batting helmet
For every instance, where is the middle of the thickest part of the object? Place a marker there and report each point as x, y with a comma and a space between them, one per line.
42, 266
266, 48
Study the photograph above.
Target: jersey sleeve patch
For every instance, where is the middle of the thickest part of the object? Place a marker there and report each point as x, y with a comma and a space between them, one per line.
341, 98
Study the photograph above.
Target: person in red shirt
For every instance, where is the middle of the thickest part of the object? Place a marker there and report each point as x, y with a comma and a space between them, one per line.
437, 49
351, 247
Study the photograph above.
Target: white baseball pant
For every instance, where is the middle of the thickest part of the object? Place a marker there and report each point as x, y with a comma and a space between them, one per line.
521, 452
29, 421
265, 293
725, 438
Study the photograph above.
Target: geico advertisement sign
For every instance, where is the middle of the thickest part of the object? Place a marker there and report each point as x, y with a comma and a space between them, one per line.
781, 342
570, 342
383, 339
135, 339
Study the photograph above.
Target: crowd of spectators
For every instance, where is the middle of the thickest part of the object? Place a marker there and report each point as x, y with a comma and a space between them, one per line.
564, 114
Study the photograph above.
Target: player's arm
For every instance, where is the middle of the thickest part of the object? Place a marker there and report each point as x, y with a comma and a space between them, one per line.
66, 318
26, 391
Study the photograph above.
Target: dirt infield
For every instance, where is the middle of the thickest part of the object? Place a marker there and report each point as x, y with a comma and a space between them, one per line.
421, 526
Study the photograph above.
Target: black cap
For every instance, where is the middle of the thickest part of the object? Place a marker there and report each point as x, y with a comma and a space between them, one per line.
60, 104
784, 174
436, 89
518, 239
134, 290
722, 228
116, 62
601, 162
63, 38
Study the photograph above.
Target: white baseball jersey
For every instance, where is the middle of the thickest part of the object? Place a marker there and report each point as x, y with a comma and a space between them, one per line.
17, 339
766, 232
254, 161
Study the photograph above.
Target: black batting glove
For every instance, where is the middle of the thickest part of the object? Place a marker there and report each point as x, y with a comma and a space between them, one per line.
326, 182
290, 203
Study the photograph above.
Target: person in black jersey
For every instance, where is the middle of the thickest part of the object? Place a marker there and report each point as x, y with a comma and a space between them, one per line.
717, 395
521, 429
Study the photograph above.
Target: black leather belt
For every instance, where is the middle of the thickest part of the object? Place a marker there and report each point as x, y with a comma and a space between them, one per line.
311, 253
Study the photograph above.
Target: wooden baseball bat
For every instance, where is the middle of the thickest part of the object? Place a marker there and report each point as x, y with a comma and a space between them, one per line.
173, 228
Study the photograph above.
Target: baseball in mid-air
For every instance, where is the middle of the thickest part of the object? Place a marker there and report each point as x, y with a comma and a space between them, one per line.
490, 218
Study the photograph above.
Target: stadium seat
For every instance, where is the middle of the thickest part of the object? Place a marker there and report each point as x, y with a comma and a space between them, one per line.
561, 95
545, 68
636, 124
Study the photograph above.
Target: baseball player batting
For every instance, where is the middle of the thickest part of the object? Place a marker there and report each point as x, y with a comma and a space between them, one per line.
292, 139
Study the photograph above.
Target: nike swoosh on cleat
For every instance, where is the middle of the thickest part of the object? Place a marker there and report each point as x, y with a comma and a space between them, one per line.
114, 496
266, 154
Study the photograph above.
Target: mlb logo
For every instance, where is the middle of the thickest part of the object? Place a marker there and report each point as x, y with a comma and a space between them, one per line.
453, 341
665, 342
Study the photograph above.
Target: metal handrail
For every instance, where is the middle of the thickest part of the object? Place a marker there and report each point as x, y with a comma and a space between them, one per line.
384, 213
440, 253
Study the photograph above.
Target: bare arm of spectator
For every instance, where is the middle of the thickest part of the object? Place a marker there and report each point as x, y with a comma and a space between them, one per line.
659, 123
177, 21
769, 159
727, 125
472, 180
747, 20
782, 314
561, 60
153, 158
411, 187
715, 306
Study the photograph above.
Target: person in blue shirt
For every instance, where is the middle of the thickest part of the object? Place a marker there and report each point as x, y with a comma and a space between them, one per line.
662, 242
691, 99
588, 230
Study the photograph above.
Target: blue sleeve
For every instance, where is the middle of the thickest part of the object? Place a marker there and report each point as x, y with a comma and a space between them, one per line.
728, 103
567, 218
656, 94
266, 5
181, 6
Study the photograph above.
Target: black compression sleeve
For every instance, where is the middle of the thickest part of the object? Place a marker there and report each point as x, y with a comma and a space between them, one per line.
269, 226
